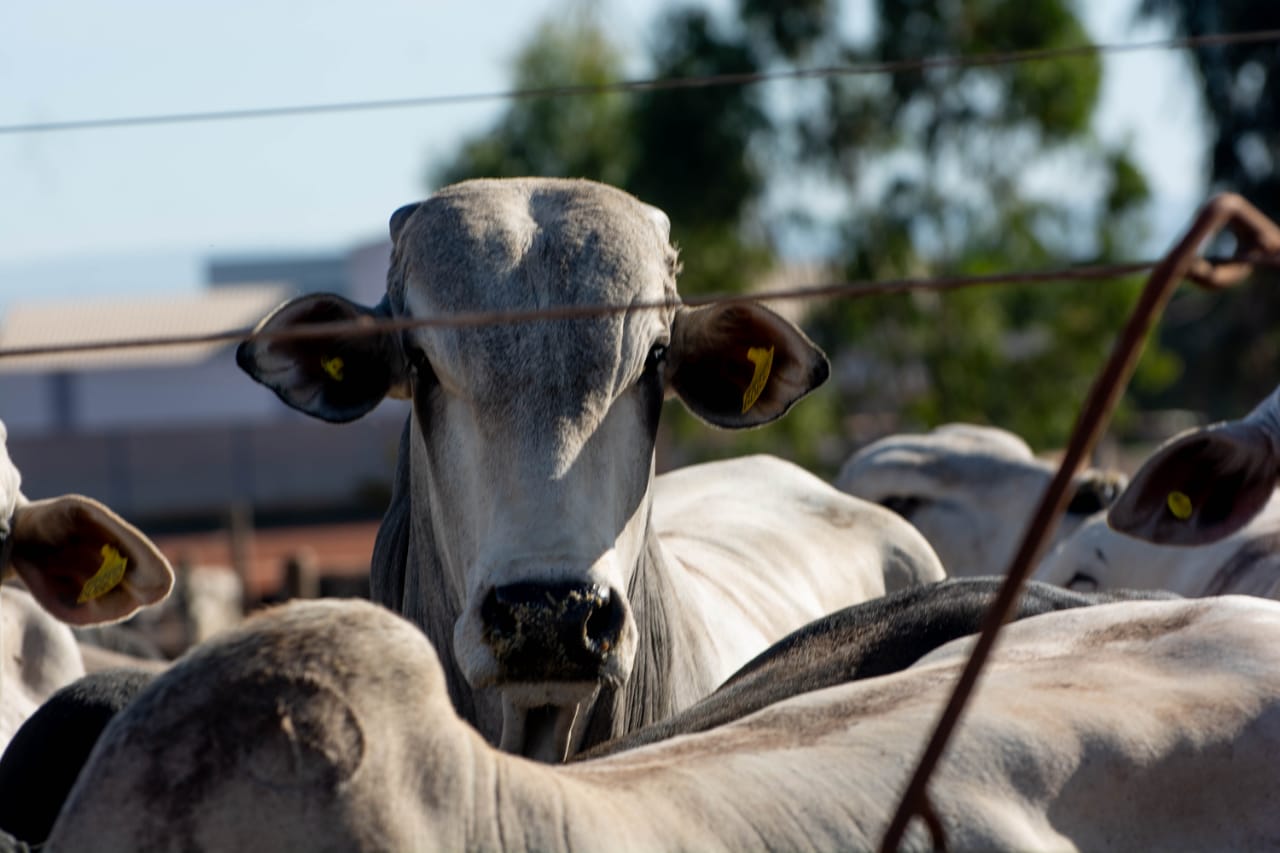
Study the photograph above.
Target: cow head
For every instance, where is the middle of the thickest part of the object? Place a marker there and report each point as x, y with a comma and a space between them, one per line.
970, 490
82, 562
1204, 484
532, 442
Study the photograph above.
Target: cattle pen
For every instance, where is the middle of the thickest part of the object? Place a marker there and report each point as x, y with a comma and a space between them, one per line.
1254, 244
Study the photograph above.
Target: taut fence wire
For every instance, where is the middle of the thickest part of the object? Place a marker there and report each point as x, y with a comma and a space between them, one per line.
894, 66
370, 326
1204, 269
1257, 243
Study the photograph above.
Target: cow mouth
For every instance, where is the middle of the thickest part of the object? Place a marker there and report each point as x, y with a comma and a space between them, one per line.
539, 729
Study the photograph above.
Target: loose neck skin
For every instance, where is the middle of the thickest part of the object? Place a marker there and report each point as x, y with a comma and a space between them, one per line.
671, 671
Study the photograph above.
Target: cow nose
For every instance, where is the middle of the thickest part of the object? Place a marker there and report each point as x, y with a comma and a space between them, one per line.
552, 631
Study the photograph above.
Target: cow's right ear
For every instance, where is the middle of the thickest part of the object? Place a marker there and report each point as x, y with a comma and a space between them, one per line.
1200, 487
338, 377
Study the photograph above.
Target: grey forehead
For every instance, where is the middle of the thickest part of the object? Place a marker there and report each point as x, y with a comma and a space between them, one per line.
532, 242
964, 455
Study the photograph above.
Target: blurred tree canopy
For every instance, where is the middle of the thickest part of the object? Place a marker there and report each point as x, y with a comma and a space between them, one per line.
944, 170
1231, 342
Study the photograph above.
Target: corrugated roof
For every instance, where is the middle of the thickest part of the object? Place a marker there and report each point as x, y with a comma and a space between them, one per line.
33, 324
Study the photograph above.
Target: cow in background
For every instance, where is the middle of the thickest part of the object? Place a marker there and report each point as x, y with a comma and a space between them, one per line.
281, 736
1201, 517
971, 490
573, 595
81, 564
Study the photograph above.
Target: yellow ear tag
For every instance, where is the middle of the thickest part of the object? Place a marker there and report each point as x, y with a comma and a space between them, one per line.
333, 367
107, 578
1180, 505
763, 360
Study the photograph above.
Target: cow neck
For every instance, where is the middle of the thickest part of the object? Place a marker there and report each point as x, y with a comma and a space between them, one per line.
408, 578
667, 674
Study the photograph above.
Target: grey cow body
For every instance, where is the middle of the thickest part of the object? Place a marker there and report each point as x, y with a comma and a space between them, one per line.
282, 736
527, 534
82, 565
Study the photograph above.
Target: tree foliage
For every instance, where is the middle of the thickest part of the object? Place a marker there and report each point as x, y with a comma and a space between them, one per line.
945, 170
1230, 342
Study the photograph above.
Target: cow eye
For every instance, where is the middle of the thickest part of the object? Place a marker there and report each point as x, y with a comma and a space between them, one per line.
1092, 496
903, 505
657, 356
1081, 582
418, 361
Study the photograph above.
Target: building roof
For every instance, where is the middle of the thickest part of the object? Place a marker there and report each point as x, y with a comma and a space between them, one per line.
35, 324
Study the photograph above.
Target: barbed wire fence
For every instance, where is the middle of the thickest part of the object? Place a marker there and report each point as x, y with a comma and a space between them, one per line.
1258, 245
845, 290
896, 66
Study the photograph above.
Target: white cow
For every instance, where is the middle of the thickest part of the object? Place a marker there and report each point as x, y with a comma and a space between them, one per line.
82, 565
1201, 517
1205, 483
527, 535
327, 726
1096, 557
971, 490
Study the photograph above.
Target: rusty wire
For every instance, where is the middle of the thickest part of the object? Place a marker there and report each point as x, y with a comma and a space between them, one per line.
895, 66
370, 326
1257, 241
1207, 268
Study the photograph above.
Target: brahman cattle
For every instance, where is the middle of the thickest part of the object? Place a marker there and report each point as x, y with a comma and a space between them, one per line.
1201, 517
1096, 557
327, 726
971, 490
572, 595
1206, 483
47, 753
874, 638
82, 565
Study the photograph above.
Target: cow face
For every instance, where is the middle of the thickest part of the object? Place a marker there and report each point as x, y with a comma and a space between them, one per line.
533, 441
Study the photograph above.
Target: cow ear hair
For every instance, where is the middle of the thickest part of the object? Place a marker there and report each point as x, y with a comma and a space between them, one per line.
338, 377
400, 218
1199, 487
741, 365
85, 564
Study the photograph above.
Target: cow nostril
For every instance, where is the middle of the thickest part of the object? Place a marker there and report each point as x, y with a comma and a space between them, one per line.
604, 625
498, 615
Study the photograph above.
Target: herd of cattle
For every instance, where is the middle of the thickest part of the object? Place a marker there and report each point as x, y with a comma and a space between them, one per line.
735, 655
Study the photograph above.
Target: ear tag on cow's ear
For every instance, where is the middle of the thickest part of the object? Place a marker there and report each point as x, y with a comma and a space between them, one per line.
1180, 505
107, 578
762, 358
333, 367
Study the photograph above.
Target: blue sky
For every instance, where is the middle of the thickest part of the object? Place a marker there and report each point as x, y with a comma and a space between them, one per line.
137, 209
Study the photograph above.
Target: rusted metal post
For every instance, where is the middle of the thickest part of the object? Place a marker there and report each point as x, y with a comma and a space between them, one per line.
1254, 233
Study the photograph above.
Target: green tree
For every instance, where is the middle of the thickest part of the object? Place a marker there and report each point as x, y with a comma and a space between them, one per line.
1230, 342
945, 162
950, 169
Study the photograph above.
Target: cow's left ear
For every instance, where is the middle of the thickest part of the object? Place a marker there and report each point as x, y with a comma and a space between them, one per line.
338, 377
1200, 487
742, 365
84, 563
